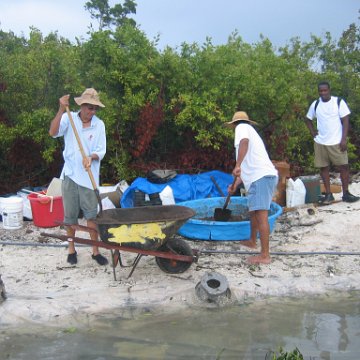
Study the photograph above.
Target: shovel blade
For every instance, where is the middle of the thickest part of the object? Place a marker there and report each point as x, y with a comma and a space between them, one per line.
221, 214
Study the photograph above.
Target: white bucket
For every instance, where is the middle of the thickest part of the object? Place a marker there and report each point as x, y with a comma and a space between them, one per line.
12, 212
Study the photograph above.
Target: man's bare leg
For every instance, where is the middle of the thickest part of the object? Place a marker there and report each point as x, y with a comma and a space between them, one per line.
264, 230
254, 228
70, 233
325, 176
72, 255
93, 235
344, 176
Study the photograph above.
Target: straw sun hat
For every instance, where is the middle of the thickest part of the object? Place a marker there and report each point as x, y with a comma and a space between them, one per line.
89, 96
241, 116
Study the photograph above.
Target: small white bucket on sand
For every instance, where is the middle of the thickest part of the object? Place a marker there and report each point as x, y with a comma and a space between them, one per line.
12, 212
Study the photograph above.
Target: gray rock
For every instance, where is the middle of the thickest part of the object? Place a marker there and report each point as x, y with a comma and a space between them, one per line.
213, 288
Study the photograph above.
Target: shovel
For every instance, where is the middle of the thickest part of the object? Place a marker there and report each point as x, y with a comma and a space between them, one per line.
92, 179
224, 214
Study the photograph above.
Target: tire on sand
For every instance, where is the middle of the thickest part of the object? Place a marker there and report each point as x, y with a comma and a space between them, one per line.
179, 247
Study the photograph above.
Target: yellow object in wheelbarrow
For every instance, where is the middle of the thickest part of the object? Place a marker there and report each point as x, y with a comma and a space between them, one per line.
138, 233
146, 227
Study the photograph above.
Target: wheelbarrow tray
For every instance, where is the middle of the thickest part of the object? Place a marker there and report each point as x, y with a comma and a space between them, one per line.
145, 228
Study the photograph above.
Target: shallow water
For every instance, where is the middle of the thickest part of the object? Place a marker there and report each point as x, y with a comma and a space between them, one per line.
326, 327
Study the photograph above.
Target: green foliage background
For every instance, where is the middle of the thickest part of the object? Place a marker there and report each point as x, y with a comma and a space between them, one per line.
170, 104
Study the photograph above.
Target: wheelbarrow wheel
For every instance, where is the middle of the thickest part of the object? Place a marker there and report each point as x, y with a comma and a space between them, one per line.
172, 266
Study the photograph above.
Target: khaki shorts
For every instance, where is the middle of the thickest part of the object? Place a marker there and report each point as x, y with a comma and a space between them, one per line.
76, 198
325, 155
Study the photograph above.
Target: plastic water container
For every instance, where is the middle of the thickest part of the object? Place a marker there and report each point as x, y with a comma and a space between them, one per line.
26, 204
295, 193
12, 212
167, 196
47, 211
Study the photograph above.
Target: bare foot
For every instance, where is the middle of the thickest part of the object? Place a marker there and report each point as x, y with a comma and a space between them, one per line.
258, 259
249, 243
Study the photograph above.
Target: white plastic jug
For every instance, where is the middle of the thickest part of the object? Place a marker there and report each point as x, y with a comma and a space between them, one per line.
167, 196
295, 193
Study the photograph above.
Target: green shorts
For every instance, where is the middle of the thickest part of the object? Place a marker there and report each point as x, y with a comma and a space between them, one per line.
76, 198
325, 155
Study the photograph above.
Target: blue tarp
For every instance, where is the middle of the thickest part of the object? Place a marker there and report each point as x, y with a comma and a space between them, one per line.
185, 187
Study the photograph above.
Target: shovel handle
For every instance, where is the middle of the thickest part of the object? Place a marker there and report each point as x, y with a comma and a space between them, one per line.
92, 179
228, 197
217, 186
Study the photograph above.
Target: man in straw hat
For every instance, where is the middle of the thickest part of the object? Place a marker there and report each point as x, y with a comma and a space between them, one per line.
77, 190
259, 176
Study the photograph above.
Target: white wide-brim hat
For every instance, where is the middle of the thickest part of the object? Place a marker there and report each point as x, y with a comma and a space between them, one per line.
89, 96
241, 116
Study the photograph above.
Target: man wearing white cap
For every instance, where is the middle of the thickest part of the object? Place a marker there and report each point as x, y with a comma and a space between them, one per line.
77, 190
257, 172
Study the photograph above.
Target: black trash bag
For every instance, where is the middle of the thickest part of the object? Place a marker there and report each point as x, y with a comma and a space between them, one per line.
160, 176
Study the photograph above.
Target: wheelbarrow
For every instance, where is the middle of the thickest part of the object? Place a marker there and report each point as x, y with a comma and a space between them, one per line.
146, 231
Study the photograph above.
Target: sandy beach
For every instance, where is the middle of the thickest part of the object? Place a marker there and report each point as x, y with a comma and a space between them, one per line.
42, 287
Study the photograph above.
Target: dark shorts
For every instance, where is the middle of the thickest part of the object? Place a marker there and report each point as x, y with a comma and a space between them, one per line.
261, 192
325, 155
76, 198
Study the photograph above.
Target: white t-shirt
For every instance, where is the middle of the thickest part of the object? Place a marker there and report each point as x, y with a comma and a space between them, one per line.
328, 115
256, 163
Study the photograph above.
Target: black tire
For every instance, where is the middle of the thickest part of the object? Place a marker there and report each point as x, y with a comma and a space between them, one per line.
171, 266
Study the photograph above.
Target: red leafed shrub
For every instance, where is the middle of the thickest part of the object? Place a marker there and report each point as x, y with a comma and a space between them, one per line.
193, 156
150, 118
190, 158
206, 159
26, 167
